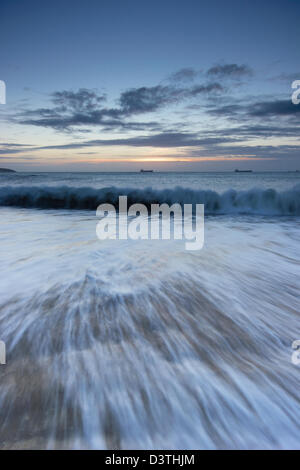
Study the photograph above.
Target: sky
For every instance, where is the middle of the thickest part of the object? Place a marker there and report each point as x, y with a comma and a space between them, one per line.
166, 85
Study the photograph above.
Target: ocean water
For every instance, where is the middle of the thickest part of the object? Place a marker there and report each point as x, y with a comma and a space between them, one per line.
123, 344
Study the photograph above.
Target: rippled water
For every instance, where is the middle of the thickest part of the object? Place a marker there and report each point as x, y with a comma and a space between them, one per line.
142, 344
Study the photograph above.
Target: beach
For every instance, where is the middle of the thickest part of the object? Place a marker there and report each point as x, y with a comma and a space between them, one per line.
141, 344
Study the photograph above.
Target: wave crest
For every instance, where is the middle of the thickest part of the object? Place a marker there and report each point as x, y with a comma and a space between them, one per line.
253, 201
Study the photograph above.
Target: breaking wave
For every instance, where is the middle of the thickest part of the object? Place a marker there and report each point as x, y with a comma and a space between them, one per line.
254, 201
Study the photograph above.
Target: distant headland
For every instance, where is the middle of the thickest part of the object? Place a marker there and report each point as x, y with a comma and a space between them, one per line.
7, 170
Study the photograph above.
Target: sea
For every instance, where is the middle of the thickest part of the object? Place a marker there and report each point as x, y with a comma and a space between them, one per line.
142, 344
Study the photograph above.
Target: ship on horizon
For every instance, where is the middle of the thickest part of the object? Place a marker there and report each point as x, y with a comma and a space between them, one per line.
243, 171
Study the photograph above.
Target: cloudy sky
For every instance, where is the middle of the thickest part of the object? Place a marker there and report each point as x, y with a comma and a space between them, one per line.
110, 85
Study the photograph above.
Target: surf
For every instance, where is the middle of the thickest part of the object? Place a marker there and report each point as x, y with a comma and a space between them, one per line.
255, 201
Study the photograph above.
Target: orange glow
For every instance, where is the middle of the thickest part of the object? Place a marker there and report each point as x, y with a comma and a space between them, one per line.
172, 159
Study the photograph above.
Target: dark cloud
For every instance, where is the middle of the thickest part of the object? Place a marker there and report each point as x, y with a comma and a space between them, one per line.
12, 145
143, 100
164, 139
275, 108
130, 126
274, 152
247, 119
184, 75
101, 118
249, 131
228, 110
229, 71
87, 108
8, 151
70, 109
64, 119
260, 110
12, 148
80, 101
231, 121
211, 141
160, 140
206, 145
206, 89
